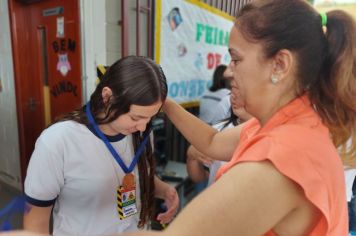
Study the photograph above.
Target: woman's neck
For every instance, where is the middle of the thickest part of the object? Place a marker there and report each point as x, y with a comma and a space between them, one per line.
269, 111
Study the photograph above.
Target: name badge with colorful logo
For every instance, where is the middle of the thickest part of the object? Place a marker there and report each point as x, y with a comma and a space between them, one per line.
126, 197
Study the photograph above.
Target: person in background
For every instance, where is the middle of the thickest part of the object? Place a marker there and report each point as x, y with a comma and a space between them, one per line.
212, 99
201, 167
350, 174
220, 108
95, 168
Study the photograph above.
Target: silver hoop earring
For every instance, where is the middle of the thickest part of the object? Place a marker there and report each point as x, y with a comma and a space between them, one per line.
274, 79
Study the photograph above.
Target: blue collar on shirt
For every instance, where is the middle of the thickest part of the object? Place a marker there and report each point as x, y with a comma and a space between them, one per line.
111, 139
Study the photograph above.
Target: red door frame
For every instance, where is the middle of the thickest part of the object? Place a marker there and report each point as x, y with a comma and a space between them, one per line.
28, 63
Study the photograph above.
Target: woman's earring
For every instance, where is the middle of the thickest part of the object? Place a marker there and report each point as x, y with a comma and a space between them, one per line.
274, 79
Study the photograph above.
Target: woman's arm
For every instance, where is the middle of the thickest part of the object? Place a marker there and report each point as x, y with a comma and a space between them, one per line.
36, 219
249, 199
220, 145
195, 167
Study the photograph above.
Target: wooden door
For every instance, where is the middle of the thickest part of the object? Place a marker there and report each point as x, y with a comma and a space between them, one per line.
46, 50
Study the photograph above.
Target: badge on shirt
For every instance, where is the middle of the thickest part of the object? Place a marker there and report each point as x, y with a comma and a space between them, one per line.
126, 197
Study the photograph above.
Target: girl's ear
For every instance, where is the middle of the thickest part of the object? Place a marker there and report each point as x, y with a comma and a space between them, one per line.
106, 94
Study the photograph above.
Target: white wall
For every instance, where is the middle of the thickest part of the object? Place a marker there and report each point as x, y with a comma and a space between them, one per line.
9, 141
334, 2
101, 36
113, 31
93, 34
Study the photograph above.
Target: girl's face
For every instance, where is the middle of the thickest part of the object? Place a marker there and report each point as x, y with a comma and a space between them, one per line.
135, 120
251, 73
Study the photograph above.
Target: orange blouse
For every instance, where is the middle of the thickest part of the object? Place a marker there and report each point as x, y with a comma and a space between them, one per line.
296, 142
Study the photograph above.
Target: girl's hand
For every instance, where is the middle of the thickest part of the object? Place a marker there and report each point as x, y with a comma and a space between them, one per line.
171, 200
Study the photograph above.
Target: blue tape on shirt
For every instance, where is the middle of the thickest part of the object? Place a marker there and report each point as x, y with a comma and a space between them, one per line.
17, 205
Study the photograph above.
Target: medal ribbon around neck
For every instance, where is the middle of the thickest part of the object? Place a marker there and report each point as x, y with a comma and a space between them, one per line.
111, 148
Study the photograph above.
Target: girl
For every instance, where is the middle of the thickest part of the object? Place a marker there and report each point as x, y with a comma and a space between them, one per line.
84, 167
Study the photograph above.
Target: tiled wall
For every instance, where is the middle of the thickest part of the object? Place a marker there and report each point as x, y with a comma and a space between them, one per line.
9, 140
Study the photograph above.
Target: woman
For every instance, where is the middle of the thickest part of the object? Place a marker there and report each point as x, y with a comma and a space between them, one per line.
84, 167
295, 70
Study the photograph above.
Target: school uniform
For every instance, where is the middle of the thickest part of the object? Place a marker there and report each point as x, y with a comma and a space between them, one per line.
72, 169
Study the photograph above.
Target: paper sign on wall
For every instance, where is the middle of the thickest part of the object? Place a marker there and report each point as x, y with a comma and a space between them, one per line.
60, 27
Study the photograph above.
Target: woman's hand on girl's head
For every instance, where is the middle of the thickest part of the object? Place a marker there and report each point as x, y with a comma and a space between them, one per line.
166, 103
171, 200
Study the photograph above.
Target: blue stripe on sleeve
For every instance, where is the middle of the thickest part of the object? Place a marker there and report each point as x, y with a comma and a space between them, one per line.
39, 203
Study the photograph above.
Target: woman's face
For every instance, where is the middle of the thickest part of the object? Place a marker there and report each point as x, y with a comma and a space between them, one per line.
135, 120
251, 73
236, 105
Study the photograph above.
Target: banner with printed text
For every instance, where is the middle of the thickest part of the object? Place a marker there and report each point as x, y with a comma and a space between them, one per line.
191, 39
333, 2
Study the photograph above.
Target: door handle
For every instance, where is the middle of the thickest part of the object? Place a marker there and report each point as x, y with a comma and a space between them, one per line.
32, 103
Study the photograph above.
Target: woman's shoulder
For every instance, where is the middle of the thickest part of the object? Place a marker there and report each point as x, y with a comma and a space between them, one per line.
302, 135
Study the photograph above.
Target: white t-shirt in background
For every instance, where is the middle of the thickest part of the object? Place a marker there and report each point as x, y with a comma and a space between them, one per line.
209, 104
